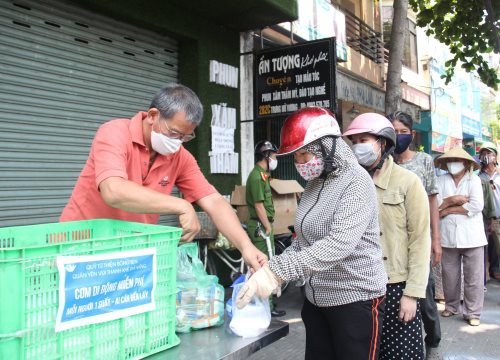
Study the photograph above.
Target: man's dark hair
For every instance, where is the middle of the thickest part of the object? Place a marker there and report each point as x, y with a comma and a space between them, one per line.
174, 98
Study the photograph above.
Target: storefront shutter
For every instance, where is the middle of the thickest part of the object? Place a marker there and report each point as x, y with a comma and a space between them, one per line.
63, 72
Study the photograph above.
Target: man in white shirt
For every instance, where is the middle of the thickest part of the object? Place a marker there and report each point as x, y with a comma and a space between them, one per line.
491, 174
461, 204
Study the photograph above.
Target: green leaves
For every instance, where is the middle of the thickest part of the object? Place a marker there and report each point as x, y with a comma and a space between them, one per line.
463, 25
468, 66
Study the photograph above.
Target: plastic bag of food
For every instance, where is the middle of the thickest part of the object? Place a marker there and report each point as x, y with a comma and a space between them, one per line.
200, 298
229, 305
253, 319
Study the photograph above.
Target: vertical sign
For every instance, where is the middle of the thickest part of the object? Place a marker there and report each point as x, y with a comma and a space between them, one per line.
293, 77
223, 159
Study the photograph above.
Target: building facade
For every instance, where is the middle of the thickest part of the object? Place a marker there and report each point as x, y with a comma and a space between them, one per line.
359, 78
69, 66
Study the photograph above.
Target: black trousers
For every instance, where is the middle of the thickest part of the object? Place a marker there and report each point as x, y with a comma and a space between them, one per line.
492, 255
349, 332
430, 315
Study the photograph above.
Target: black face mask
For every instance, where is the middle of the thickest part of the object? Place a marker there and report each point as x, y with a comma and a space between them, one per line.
402, 143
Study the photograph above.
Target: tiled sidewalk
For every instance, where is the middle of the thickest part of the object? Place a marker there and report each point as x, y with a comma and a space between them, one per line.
460, 341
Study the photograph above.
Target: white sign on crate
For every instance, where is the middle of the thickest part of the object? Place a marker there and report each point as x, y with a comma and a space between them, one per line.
98, 288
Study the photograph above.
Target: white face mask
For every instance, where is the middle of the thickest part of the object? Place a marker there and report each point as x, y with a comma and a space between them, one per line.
311, 169
163, 144
273, 164
365, 153
455, 167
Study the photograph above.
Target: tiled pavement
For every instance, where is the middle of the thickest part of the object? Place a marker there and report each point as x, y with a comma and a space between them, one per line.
460, 341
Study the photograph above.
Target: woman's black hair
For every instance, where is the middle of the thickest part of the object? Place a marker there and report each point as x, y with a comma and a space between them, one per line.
402, 117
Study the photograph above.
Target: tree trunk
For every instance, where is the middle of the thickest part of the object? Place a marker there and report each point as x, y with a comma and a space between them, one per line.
395, 66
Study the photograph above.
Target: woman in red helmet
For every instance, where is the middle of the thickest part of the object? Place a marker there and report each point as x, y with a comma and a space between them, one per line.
337, 249
404, 234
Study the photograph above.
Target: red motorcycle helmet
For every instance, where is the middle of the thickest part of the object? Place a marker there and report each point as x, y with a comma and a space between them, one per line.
305, 126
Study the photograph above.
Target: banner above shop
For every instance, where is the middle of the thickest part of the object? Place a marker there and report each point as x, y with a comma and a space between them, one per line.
470, 104
349, 88
319, 19
443, 143
445, 109
471, 125
292, 77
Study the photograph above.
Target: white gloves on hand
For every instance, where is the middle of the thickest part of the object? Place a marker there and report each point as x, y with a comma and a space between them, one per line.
263, 283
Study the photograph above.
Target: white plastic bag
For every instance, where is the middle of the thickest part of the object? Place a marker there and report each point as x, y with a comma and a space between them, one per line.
200, 298
253, 319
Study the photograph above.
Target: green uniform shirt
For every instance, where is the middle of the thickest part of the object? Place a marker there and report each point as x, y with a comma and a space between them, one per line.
258, 189
489, 210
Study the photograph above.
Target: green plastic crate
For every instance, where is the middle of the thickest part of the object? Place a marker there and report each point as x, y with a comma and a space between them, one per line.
29, 291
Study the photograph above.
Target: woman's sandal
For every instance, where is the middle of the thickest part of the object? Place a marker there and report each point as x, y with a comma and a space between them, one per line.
447, 313
474, 322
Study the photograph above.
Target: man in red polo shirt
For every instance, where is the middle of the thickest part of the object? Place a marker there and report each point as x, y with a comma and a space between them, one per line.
134, 163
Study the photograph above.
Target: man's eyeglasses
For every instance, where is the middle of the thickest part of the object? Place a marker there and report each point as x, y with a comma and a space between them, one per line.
173, 134
493, 186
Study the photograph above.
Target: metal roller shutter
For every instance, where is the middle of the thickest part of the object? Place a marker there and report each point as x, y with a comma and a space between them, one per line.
63, 72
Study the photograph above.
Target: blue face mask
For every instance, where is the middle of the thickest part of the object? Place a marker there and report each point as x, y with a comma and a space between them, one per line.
402, 142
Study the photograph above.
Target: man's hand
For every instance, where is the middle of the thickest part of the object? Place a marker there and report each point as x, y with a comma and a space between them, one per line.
263, 283
443, 213
189, 223
436, 250
407, 309
262, 215
254, 257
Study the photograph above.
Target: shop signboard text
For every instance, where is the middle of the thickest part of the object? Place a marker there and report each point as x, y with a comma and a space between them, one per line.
294, 77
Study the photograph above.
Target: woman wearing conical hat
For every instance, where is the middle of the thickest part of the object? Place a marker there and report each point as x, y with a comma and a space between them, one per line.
463, 239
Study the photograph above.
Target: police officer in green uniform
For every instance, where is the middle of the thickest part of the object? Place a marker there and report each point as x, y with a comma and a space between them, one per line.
260, 202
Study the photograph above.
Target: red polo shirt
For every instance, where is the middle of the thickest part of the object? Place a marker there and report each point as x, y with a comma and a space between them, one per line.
118, 149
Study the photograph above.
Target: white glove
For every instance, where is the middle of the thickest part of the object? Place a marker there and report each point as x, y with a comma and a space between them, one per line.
263, 283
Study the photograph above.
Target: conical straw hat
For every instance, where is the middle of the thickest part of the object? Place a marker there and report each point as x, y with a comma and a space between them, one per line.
454, 154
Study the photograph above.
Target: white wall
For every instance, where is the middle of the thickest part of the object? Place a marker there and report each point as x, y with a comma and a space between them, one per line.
246, 105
